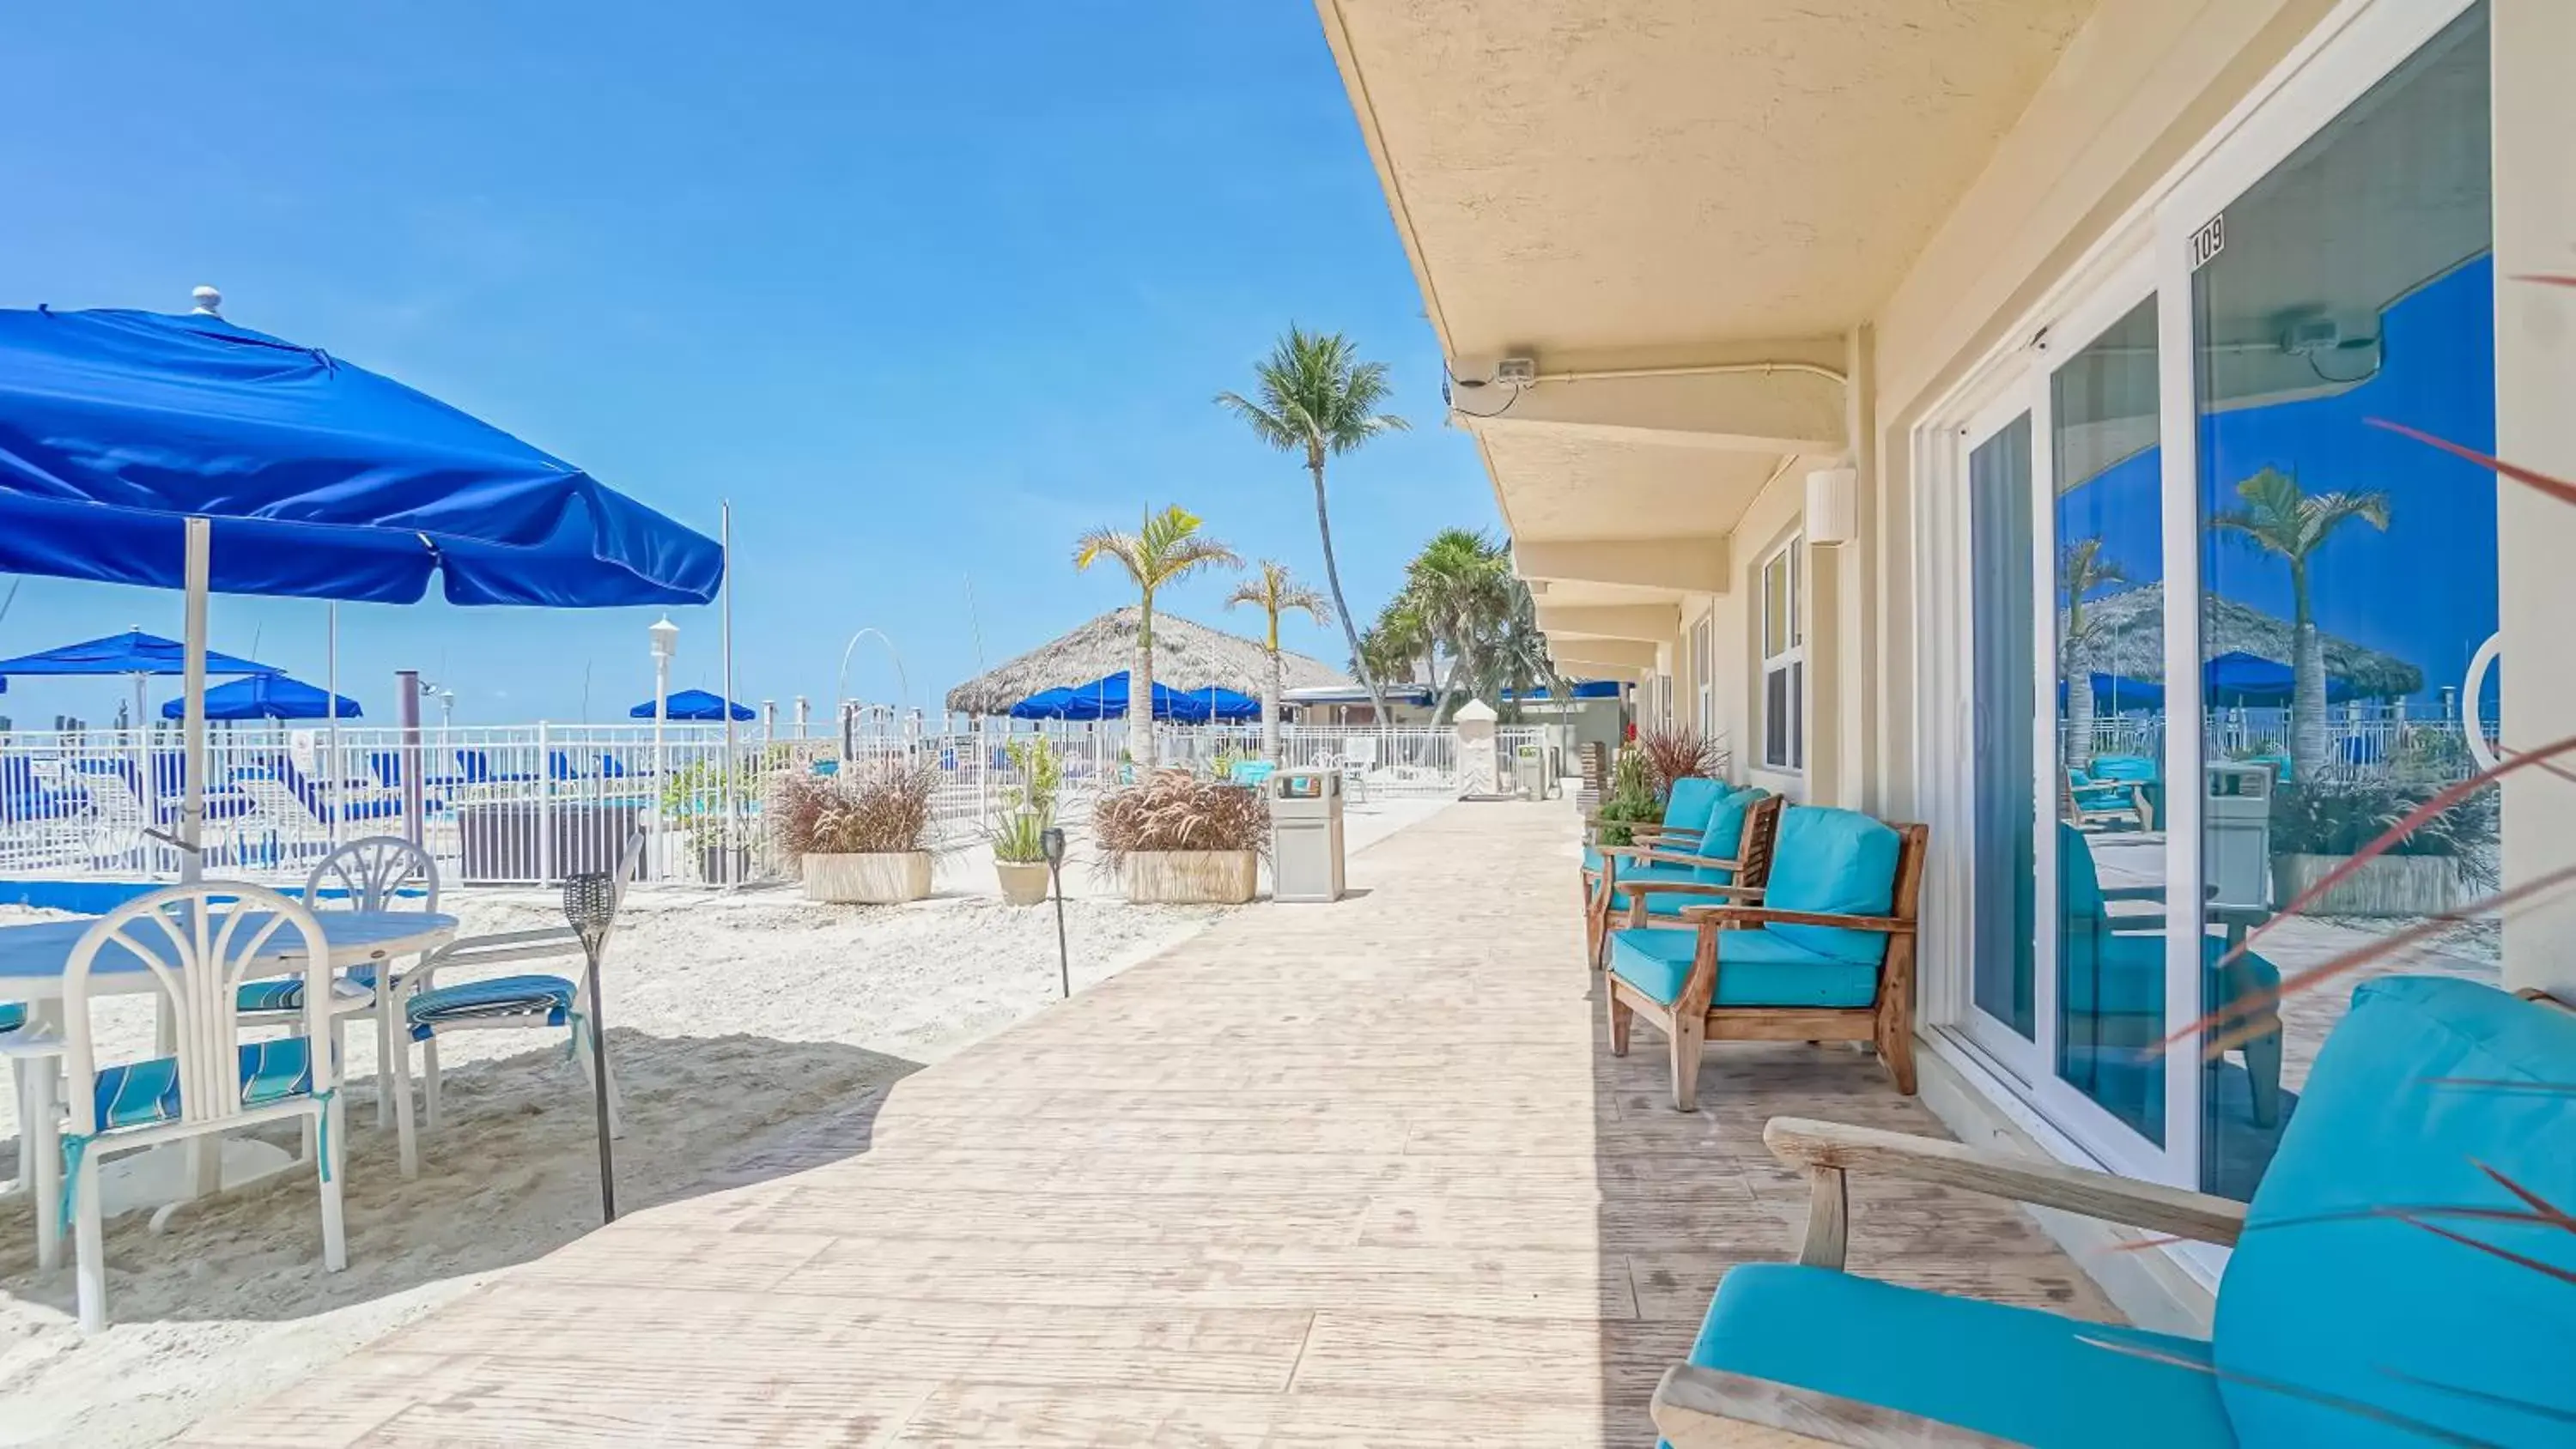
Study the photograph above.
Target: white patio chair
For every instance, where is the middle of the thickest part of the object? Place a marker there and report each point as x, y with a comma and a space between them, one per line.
1358, 761
523, 1001
214, 1082
378, 873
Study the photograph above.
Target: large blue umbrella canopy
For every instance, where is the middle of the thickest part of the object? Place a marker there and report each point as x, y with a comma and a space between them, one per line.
323, 480
2118, 694
267, 696
691, 704
132, 652
1107, 698
2237, 678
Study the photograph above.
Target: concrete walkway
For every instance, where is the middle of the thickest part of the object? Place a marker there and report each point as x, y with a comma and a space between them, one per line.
1347, 1174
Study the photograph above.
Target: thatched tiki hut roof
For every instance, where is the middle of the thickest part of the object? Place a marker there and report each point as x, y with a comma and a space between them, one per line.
1187, 655
2128, 639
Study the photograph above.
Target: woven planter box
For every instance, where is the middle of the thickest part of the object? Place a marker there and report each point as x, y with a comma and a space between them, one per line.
2391, 885
874, 880
1192, 877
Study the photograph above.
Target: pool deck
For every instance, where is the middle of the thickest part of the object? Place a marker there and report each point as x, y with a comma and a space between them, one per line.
1349, 1174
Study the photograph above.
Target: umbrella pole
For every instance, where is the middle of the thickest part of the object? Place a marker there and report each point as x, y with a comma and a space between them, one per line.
724, 540
192, 797
338, 778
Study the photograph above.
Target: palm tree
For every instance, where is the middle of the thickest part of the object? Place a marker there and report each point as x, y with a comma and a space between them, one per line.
1391, 647
1275, 592
1459, 585
2081, 569
1318, 399
2280, 517
1165, 550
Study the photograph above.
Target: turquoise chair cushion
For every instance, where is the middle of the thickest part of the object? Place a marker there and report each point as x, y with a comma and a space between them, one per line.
13, 1015
2019, 1374
286, 993
1754, 968
1687, 805
1839, 862
533, 997
2124, 769
1724, 835
2124, 975
2432, 1094
133, 1094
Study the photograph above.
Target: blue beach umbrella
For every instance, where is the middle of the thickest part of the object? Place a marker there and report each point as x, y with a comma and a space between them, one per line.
132, 654
691, 704
187, 453
267, 696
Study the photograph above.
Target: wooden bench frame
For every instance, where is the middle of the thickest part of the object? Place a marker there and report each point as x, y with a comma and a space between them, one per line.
1691, 1021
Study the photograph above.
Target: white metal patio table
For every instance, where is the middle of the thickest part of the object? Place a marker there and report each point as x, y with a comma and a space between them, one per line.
32, 960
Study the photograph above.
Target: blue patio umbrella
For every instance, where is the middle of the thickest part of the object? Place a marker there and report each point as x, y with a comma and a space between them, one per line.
2238, 679
133, 654
2118, 694
691, 704
185, 452
1107, 698
1045, 704
267, 696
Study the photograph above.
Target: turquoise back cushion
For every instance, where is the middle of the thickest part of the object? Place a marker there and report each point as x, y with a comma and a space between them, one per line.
1687, 807
1837, 861
2431, 1091
2079, 886
1725, 834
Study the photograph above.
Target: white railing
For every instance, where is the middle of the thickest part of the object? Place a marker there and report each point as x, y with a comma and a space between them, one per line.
2360, 739
530, 804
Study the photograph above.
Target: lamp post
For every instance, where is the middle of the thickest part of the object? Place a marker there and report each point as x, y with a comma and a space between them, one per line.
1051, 844
666, 642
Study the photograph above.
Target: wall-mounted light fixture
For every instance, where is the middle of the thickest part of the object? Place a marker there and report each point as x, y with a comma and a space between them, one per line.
1833, 506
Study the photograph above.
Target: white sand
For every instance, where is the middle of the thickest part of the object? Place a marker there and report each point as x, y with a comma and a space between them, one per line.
740, 1027
728, 1021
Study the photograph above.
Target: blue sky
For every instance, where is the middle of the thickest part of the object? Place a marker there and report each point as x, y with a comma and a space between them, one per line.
923, 290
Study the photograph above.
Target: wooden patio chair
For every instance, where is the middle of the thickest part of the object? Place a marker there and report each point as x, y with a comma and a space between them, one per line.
1827, 956
1641, 882
1687, 807
2399, 1278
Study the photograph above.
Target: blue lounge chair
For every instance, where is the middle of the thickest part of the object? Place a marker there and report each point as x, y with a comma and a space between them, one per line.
1730, 861
2399, 1279
477, 765
1827, 956
2096, 798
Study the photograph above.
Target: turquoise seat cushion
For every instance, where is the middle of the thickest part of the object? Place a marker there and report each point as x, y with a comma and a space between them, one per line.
1754, 968
2124, 769
133, 1094
2433, 1094
286, 993
1838, 862
546, 997
13, 1015
2019, 1374
2105, 974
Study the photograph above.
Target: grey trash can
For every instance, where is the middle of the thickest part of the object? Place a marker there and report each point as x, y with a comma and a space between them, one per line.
1306, 835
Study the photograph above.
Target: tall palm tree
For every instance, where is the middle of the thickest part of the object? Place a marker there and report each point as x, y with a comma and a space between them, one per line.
1391, 647
2081, 570
1514, 656
1459, 584
1165, 550
2280, 517
1318, 399
1274, 591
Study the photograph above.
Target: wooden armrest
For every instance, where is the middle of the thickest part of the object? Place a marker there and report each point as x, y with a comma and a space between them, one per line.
1688, 888
1696, 862
1705, 1408
1830, 1149
1766, 916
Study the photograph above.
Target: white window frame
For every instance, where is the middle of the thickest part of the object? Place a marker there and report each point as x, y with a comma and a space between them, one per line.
1792, 659
2342, 58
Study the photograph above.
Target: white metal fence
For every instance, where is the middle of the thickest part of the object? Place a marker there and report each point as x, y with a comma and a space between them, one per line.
529, 804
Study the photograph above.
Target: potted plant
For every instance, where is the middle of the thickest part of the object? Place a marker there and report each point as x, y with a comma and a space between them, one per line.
862, 835
1632, 799
1019, 850
1175, 838
2319, 826
723, 848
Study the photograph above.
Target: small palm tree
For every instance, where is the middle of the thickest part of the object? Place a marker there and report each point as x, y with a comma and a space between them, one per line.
2081, 569
1275, 592
1460, 585
2280, 517
1165, 550
1318, 399
1391, 647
